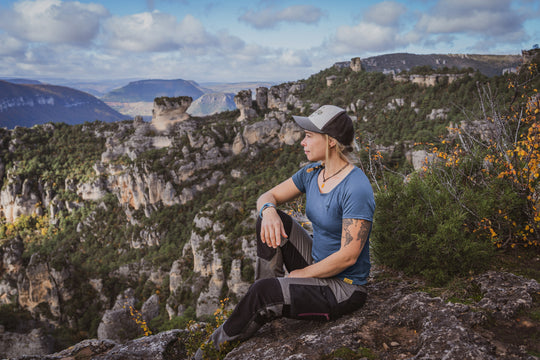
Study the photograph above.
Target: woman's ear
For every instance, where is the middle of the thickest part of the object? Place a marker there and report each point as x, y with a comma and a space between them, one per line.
331, 142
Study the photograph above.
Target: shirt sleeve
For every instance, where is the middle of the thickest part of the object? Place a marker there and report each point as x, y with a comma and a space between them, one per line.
359, 201
300, 178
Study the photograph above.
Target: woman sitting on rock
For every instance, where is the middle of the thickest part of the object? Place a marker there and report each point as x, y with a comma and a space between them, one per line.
327, 272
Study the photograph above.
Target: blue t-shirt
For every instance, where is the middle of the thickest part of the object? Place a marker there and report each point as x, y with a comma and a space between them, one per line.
352, 198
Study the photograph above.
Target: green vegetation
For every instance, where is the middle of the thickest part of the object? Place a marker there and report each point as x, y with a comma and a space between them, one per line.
479, 195
349, 354
389, 123
473, 208
419, 230
48, 153
179, 100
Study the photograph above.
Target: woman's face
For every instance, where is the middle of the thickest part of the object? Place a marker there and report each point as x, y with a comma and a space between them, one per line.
314, 146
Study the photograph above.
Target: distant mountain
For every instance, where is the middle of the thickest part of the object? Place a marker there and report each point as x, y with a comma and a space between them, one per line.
213, 103
148, 90
31, 104
21, 81
97, 88
489, 65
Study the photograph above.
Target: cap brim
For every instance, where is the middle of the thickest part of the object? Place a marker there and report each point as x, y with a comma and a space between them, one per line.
306, 124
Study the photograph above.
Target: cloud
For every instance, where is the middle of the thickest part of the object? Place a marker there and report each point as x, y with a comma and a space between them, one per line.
11, 46
53, 21
386, 13
270, 18
155, 31
494, 19
379, 30
294, 58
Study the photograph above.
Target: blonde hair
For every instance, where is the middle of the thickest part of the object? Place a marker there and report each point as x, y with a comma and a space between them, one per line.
344, 152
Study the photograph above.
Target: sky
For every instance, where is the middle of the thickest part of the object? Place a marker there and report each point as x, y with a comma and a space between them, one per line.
241, 40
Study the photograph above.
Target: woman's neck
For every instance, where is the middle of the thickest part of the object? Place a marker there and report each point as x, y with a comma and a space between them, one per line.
334, 164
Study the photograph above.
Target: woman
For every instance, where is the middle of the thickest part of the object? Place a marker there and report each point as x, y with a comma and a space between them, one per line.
326, 273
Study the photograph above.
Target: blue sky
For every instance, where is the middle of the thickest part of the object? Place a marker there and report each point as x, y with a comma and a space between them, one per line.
229, 41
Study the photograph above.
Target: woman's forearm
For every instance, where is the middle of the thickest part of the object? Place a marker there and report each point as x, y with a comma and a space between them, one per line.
267, 197
328, 267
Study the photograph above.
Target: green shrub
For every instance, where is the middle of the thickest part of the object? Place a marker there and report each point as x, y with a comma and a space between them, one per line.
419, 229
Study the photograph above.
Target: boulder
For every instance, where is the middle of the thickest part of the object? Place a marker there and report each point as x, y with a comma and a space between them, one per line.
238, 144
262, 132
290, 133
163, 346
35, 343
120, 323
150, 308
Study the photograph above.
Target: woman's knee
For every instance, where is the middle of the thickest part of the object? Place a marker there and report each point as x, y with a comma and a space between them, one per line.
265, 291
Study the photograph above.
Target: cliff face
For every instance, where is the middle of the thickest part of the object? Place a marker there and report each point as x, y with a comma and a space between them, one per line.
143, 171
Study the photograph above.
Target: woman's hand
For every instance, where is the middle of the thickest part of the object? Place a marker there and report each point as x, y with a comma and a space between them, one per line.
272, 228
271, 225
298, 273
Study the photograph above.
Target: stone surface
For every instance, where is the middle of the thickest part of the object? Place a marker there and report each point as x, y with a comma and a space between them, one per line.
163, 346
169, 111
33, 343
397, 322
118, 324
244, 103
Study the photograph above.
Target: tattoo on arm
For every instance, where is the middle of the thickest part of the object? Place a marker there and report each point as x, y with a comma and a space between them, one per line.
347, 224
362, 233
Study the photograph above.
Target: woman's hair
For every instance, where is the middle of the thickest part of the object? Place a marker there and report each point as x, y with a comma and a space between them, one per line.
343, 151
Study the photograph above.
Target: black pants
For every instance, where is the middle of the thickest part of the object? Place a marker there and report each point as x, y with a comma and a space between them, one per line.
273, 296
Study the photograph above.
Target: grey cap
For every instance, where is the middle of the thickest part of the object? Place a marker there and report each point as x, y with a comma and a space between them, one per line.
331, 120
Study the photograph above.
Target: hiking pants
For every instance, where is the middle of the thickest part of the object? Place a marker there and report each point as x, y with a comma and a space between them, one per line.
273, 296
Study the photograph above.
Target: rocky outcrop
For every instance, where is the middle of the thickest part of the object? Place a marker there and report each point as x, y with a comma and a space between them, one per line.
261, 97
35, 343
262, 132
330, 80
244, 103
429, 80
420, 158
397, 322
39, 284
284, 95
119, 323
141, 188
208, 264
17, 198
168, 111
163, 346
437, 114
356, 64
